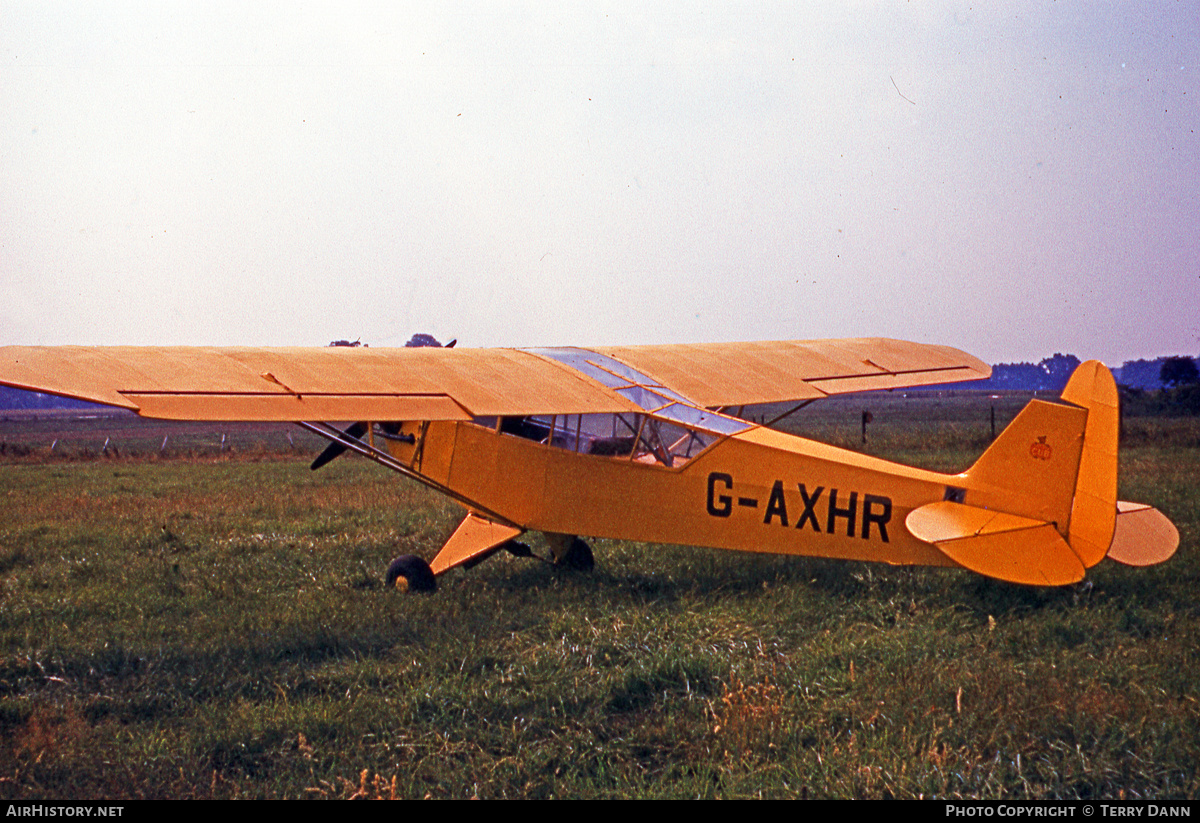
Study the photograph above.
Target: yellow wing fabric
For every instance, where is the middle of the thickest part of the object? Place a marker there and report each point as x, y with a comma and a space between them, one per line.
735, 374
296, 384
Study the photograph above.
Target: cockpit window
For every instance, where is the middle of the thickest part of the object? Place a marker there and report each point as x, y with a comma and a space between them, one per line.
609, 372
648, 399
603, 370
670, 431
703, 419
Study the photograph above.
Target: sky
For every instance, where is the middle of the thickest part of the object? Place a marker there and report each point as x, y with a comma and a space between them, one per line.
1011, 178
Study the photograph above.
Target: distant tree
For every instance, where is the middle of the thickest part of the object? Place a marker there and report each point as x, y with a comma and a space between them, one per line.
1178, 371
1027, 376
1059, 369
1141, 374
21, 399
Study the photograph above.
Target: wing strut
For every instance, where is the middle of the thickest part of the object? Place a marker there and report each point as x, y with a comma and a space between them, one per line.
788, 413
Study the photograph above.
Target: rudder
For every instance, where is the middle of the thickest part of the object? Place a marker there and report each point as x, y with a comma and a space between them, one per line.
1094, 511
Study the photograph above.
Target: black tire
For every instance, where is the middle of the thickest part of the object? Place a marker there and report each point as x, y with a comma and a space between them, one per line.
410, 573
578, 558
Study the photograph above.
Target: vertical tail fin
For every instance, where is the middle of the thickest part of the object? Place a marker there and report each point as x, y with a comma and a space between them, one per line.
1012, 519
1032, 468
1058, 463
1040, 505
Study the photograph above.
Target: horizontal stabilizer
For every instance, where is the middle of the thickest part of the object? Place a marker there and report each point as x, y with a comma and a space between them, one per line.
474, 539
999, 545
1144, 535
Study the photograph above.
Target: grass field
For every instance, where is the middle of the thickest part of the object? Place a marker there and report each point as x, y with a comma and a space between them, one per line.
197, 621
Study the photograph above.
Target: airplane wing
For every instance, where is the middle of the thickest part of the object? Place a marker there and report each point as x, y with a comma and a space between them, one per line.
340, 383
296, 384
736, 374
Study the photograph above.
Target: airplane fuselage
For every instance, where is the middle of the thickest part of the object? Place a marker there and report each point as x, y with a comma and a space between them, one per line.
760, 490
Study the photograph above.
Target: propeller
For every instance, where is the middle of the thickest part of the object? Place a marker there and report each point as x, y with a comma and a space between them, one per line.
336, 448
357, 430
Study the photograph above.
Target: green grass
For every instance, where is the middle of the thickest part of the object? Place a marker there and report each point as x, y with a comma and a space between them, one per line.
213, 626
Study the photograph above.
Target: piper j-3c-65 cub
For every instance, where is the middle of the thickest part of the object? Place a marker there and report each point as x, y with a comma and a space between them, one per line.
634, 443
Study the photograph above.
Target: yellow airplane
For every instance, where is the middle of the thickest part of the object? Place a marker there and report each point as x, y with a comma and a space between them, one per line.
635, 443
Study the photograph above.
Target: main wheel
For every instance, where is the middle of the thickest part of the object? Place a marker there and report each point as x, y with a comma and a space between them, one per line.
410, 573
578, 557
517, 549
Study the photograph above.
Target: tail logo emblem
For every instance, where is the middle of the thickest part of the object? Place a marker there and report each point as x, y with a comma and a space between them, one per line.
1041, 449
